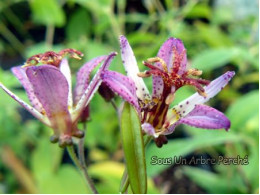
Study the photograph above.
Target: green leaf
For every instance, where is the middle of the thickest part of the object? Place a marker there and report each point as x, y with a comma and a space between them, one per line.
67, 180
182, 147
213, 35
199, 11
45, 159
50, 176
109, 174
47, 12
76, 29
214, 183
96, 7
214, 58
243, 113
253, 167
133, 147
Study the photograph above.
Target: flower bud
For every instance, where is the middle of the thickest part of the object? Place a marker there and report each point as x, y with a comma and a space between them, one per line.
106, 92
85, 115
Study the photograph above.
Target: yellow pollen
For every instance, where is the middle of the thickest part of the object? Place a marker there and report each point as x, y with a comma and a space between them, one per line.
194, 72
175, 113
155, 100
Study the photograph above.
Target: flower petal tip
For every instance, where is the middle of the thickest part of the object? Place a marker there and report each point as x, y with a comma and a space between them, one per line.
231, 73
113, 53
227, 129
123, 41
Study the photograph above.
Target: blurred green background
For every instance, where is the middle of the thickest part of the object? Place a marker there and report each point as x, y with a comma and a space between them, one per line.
219, 36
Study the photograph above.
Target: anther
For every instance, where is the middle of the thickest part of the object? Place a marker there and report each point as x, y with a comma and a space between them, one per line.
157, 59
202, 93
194, 72
169, 99
144, 74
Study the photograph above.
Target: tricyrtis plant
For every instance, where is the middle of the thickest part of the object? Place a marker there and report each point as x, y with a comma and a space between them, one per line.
46, 79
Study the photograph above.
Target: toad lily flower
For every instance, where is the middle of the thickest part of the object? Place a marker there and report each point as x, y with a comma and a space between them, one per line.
49, 90
169, 72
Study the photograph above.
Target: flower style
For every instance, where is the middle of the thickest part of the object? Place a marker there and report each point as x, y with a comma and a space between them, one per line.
169, 72
49, 90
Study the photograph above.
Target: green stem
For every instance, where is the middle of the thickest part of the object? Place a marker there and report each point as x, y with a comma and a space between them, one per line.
81, 147
16, 44
125, 179
83, 170
49, 35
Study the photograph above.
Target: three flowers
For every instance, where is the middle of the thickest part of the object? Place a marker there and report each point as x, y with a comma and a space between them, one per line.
54, 103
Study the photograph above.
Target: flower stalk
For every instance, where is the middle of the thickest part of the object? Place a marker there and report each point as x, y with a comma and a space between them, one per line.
83, 169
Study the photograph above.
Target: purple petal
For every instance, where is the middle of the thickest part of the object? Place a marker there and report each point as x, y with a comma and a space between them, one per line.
51, 88
83, 77
166, 53
205, 117
122, 85
186, 106
132, 69
157, 87
20, 74
65, 69
92, 87
149, 129
29, 108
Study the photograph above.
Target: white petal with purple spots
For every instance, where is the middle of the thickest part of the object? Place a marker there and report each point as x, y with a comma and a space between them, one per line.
132, 69
186, 106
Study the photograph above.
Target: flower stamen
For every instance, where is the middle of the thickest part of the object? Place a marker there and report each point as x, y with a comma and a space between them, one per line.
52, 58
157, 59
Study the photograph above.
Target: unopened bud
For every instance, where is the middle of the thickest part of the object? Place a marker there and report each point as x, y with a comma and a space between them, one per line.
106, 92
85, 115
54, 139
78, 134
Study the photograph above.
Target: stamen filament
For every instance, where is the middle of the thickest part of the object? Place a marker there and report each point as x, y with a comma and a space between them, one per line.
157, 59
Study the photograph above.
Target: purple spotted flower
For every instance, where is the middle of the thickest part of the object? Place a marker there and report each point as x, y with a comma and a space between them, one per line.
169, 72
49, 90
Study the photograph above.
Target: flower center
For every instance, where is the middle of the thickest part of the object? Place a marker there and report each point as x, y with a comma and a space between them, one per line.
52, 58
173, 78
156, 110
